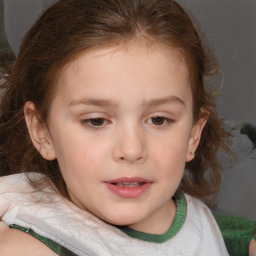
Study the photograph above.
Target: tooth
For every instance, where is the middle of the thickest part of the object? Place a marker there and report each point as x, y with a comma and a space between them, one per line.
129, 184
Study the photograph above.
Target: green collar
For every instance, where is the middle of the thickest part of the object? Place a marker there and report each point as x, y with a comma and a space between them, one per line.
177, 224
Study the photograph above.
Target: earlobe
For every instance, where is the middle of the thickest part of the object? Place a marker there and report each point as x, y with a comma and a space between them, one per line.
38, 131
195, 137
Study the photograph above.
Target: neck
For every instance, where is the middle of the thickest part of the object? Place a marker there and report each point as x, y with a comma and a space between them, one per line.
159, 222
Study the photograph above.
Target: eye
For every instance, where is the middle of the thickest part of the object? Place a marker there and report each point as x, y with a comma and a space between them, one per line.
94, 122
159, 120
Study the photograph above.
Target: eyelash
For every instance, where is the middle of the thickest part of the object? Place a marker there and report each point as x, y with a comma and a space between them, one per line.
102, 121
89, 121
165, 120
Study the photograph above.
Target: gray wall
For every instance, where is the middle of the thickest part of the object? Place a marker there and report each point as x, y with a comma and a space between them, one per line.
19, 16
230, 26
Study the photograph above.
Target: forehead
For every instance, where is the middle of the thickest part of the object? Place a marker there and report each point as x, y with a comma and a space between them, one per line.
100, 71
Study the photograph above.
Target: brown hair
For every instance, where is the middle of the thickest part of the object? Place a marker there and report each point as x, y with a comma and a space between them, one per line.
69, 27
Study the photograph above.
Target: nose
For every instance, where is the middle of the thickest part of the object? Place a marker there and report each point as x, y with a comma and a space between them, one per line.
130, 146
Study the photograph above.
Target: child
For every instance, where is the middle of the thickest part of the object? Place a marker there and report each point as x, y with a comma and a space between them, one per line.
105, 108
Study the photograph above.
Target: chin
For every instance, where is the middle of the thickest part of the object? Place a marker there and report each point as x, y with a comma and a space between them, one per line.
122, 220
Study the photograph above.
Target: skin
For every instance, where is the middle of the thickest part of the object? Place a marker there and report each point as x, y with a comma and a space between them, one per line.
15, 242
252, 248
151, 83
126, 144
19, 243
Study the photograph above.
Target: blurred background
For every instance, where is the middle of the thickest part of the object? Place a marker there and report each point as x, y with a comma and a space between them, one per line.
230, 26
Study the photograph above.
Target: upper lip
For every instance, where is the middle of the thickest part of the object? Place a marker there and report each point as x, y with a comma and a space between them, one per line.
129, 180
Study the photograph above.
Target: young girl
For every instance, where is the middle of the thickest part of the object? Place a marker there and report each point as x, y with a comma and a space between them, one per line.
112, 135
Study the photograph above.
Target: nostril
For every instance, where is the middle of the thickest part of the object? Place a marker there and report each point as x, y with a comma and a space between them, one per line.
130, 159
129, 149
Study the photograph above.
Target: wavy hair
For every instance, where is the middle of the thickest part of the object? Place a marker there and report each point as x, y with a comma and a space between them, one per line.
70, 27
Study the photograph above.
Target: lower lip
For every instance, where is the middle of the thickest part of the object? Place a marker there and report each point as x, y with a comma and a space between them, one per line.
129, 192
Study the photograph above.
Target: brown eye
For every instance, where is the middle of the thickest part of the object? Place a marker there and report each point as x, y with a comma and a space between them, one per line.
158, 120
95, 121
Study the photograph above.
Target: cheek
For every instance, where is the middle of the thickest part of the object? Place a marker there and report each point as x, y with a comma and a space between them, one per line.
79, 171
82, 158
171, 160
171, 148
170, 156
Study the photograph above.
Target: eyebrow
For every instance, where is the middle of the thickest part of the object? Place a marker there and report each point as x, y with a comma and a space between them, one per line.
111, 103
94, 102
161, 101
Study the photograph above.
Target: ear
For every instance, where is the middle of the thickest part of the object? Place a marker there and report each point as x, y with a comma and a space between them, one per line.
38, 131
195, 137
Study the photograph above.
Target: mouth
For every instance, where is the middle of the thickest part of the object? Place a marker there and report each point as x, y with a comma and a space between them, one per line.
129, 187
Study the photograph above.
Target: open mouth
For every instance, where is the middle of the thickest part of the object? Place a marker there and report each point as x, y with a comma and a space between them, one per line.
129, 187
129, 184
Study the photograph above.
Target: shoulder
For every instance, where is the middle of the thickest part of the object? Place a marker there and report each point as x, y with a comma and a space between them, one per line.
197, 210
197, 206
16, 242
200, 216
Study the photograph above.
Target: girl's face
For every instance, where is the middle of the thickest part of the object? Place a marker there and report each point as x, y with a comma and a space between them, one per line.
121, 128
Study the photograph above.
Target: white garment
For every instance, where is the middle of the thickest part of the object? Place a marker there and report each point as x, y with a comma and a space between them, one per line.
58, 219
